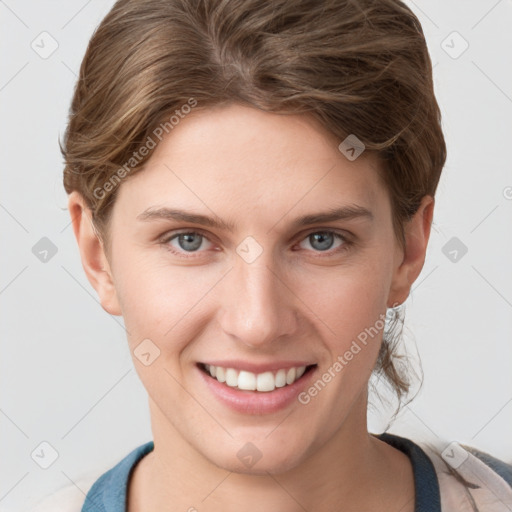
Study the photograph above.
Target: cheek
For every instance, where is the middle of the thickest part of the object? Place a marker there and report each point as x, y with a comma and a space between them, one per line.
346, 300
159, 300
165, 305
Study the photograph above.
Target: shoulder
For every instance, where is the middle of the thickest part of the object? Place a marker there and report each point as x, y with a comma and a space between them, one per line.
470, 477
101, 490
69, 498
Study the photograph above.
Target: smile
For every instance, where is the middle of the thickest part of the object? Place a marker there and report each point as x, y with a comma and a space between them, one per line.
256, 388
249, 381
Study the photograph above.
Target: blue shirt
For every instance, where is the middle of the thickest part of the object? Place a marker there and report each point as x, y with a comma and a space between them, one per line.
109, 492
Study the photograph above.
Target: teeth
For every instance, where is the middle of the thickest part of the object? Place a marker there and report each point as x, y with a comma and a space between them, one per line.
220, 374
264, 382
290, 376
246, 380
231, 377
280, 378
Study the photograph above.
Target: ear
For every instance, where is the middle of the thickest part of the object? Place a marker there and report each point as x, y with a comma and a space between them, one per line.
94, 260
410, 260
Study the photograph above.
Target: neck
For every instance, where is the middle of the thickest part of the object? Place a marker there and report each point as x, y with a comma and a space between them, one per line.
352, 468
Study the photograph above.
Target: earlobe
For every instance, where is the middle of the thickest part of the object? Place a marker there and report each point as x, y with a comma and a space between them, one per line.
94, 260
410, 262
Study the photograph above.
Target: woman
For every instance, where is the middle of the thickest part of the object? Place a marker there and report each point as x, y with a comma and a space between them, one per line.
252, 186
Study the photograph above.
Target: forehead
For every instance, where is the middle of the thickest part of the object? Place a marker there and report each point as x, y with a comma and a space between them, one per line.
241, 158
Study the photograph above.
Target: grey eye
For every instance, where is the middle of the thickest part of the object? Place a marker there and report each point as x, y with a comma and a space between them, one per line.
322, 241
189, 241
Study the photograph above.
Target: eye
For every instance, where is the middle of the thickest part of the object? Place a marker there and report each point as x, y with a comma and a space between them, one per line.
323, 241
185, 242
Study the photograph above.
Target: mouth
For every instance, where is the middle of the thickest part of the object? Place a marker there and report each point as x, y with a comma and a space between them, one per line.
263, 382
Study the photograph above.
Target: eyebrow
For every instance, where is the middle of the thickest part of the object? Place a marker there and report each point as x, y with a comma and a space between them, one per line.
347, 212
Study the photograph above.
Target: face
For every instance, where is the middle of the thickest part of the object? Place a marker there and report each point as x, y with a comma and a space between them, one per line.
265, 289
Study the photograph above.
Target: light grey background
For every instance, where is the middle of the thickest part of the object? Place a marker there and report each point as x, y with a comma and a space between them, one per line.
67, 376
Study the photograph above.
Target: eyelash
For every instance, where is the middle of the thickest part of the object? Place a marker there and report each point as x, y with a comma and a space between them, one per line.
347, 243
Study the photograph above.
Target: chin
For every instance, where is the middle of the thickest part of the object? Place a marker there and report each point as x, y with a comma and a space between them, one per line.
257, 458
266, 465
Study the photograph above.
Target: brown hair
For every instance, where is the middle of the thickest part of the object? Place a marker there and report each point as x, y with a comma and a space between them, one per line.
357, 66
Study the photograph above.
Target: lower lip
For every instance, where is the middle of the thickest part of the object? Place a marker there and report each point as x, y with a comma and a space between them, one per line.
256, 402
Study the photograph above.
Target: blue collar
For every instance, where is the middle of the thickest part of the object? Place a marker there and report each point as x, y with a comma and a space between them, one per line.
426, 485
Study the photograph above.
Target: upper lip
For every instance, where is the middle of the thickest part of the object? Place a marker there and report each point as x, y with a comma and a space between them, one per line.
239, 364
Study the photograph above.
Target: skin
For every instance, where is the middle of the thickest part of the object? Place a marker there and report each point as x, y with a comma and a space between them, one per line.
260, 171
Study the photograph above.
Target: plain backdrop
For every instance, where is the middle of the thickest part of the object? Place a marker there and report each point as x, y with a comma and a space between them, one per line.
67, 378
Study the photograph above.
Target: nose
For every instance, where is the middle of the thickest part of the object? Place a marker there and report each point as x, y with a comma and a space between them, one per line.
258, 306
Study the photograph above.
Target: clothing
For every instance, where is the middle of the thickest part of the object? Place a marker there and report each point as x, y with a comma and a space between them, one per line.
481, 480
